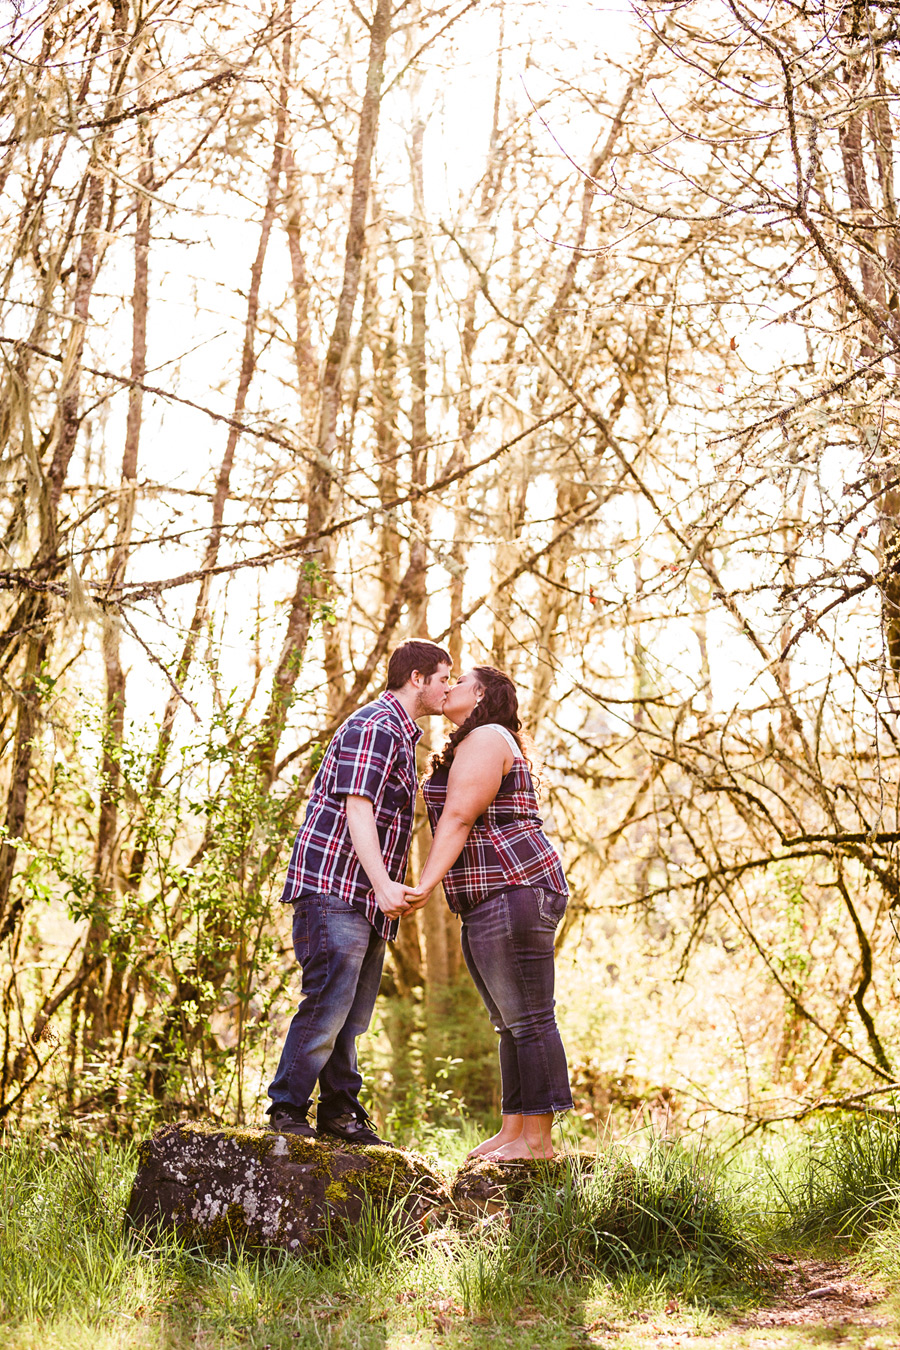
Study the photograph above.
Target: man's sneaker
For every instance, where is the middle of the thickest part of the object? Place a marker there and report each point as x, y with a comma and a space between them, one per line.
352, 1128
285, 1119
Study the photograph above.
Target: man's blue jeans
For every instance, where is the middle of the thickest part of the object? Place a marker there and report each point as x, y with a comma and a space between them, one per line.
507, 943
341, 957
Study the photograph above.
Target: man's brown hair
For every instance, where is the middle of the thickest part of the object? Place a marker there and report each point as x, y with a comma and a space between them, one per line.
420, 655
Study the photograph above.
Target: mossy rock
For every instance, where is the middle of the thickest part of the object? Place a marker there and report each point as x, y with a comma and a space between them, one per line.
220, 1188
483, 1187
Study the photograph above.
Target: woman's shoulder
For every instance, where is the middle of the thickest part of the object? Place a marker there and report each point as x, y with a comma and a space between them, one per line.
503, 731
493, 733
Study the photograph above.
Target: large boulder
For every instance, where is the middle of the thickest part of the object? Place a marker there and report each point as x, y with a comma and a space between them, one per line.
226, 1187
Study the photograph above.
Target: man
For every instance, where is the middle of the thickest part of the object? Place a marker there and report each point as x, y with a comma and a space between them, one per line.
345, 880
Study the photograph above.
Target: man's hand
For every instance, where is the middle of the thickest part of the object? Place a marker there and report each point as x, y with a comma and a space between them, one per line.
390, 897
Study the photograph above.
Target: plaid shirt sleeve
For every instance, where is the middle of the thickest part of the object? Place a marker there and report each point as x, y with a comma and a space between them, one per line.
363, 761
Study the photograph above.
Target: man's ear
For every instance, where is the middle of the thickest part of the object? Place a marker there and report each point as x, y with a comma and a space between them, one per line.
417, 678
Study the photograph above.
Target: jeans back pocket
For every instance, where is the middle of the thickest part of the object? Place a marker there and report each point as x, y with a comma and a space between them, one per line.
552, 905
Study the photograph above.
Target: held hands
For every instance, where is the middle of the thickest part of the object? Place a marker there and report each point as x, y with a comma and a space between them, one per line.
392, 899
395, 899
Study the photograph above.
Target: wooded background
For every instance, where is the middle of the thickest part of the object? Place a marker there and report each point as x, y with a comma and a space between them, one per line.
565, 336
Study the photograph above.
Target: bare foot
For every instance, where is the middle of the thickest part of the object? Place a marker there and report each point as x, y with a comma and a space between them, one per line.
498, 1140
520, 1149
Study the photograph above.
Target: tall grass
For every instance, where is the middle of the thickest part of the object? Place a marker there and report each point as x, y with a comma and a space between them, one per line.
72, 1279
670, 1220
71, 1276
841, 1183
61, 1245
674, 1204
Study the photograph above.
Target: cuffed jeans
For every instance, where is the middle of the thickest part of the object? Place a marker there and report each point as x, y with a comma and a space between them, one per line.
341, 957
507, 943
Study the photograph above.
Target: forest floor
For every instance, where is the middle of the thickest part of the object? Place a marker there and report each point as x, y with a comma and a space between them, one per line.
820, 1303
71, 1279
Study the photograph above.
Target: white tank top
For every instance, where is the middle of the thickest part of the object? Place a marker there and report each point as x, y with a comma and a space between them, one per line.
507, 736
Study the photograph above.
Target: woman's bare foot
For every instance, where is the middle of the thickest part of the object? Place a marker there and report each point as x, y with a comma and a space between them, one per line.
508, 1133
499, 1140
520, 1148
533, 1141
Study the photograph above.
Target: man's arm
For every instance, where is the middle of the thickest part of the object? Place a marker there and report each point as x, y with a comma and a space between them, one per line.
390, 896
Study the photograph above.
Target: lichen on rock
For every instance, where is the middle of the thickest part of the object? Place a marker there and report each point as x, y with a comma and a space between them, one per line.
218, 1187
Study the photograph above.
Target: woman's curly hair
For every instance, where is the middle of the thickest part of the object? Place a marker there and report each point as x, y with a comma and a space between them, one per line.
499, 703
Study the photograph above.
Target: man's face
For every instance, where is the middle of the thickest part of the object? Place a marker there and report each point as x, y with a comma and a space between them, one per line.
433, 690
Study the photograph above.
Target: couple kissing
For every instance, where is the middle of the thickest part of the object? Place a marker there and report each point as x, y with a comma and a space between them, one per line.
501, 875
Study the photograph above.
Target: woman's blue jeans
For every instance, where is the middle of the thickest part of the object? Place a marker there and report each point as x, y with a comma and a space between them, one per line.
341, 957
507, 943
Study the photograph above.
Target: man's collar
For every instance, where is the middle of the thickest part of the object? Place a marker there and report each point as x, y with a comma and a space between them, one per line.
410, 727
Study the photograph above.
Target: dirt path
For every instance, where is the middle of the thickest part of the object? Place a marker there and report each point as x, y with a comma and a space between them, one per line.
820, 1303
826, 1294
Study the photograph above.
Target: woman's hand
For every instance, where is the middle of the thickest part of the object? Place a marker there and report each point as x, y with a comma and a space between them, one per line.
392, 899
416, 898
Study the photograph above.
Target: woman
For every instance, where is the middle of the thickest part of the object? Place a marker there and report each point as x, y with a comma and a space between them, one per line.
503, 877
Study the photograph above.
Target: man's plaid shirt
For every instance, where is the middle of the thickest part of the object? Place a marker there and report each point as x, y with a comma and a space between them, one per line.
506, 846
372, 755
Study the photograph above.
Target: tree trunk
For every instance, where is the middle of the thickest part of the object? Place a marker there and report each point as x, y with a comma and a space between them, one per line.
223, 478
310, 588
27, 723
192, 984
873, 286
36, 611
102, 998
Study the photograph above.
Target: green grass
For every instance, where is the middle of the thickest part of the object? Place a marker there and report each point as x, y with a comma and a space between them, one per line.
839, 1185
662, 1228
672, 1215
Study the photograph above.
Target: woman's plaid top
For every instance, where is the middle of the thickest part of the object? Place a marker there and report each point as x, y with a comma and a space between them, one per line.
372, 755
506, 846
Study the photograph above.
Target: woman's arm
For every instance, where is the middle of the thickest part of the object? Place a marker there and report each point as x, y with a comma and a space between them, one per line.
475, 775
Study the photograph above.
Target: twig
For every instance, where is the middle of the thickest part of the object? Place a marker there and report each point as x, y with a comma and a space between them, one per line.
214, 80
161, 665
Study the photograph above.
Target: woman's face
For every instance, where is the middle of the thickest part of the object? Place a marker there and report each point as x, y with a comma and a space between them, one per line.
461, 698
